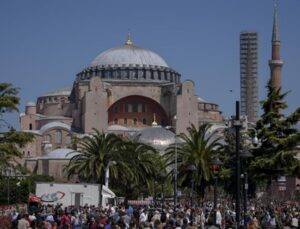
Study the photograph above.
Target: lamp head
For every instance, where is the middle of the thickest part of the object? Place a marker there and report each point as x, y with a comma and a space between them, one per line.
191, 168
246, 154
255, 140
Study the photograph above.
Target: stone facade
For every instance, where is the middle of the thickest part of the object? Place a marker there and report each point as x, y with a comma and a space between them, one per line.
127, 88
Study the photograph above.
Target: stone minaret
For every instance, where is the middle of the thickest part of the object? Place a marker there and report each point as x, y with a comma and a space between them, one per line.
275, 63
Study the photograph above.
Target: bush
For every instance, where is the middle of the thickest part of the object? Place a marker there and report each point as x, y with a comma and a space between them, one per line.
19, 189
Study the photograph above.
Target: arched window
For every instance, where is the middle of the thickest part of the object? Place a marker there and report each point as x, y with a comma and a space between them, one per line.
139, 107
68, 139
58, 137
30, 126
115, 121
134, 107
129, 107
116, 109
125, 121
45, 166
135, 121
144, 121
47, 138
152, 75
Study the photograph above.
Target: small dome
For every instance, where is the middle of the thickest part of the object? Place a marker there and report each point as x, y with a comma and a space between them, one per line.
117, 128
128, 54
156, 136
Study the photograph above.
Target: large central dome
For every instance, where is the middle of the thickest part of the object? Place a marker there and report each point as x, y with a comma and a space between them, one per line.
128, 55
129, 63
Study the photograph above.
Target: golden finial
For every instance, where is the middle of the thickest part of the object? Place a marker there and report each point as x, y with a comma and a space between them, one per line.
154, 123
129, 41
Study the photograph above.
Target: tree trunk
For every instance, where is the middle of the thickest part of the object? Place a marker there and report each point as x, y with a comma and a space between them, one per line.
100, 195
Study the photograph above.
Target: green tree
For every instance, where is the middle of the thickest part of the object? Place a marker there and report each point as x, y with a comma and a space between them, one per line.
228, 157
10, 141
198, 148
15, 190
10, 144
279, 138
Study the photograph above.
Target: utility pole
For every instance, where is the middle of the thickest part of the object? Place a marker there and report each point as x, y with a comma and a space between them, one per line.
237, 125
175, 176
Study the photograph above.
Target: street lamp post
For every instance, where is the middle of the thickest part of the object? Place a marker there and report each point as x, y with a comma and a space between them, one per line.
8, 174
175, 164
8, 191
175, 176
237, 124
245, 155
215, 166
162, 179
191, 169
297, 192
162, 197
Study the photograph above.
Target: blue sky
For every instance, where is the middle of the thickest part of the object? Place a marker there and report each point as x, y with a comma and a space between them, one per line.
43, 44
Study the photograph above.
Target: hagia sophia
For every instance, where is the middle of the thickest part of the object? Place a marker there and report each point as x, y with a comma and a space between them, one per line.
125, 90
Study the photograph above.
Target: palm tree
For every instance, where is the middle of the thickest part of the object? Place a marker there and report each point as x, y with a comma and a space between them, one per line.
138, 167
197, 148
94, 153
8, 98
135, 163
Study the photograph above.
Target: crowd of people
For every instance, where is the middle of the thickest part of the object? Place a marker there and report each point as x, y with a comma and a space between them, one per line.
283, 215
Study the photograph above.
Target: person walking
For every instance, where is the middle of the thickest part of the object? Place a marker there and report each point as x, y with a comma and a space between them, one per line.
23, 223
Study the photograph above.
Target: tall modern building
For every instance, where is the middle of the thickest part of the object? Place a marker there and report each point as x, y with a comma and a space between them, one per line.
249, 75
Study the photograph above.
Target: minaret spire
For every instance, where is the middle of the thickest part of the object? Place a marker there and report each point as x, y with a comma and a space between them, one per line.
275, 34
275, 63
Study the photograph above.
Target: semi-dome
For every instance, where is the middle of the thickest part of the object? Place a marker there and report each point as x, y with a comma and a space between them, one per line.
54, 125
128, 54
59, 154
157, 137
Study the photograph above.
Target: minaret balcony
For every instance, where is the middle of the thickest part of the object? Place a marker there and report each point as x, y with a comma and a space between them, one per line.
276, 62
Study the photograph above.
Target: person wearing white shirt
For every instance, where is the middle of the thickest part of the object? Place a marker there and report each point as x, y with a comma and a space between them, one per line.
218, 218
144, 216
295, 222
